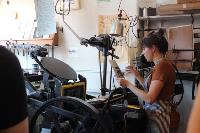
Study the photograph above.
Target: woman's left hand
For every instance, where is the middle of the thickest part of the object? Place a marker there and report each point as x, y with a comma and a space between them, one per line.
123, 82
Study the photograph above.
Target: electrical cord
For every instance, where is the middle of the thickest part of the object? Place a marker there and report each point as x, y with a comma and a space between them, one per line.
132, 24
125, 123
119, 5
69, 8
55, 7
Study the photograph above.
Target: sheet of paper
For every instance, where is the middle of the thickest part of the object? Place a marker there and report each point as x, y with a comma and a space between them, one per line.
130, 77
45, 130
46, 23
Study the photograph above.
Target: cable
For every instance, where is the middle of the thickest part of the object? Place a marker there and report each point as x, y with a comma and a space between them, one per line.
132, 22
125, 123
69, 8
55, 7
119, 5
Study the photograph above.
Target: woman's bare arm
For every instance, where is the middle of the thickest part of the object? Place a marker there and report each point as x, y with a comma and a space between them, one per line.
193, 124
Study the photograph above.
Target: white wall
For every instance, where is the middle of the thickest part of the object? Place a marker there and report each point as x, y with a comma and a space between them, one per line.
85, 23
11, 27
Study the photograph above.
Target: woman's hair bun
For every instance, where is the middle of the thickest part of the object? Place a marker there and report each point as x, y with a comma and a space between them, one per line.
160, 32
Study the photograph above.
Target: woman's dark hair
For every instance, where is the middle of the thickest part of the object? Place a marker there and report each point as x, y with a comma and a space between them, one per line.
156, 38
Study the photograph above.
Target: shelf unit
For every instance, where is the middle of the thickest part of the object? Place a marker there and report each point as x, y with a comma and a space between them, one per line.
150, 23
27, 44
169, 17
34, 41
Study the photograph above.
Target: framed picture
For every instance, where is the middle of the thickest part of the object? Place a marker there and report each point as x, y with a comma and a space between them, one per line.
74, 5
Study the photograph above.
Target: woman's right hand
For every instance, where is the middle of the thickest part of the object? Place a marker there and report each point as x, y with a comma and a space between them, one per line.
131, 69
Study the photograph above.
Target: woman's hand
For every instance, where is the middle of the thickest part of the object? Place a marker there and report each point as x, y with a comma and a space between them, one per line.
131, 69
123, 82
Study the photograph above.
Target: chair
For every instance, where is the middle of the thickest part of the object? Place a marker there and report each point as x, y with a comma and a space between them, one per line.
178, 93
176, 99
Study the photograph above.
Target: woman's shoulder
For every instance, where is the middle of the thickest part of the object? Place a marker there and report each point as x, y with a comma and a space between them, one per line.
164, 63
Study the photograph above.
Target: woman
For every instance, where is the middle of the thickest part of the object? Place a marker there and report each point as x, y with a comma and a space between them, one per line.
158, 85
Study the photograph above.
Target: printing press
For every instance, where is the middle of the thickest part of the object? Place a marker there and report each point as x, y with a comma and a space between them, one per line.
63, 106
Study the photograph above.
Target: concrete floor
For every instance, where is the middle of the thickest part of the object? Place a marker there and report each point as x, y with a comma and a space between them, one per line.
185, 107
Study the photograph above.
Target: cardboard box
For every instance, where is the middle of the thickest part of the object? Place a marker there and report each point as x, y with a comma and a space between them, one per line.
171, 7
192, 1
181, 38
170, 12
187, 1
179, 7
191, 6
181, 1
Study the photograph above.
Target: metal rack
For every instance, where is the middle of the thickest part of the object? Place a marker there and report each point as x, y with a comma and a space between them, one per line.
150, 23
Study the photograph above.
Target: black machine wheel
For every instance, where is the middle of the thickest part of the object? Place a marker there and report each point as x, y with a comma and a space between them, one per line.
67, 115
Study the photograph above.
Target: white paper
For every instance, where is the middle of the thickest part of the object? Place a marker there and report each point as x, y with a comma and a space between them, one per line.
130, 78
45, 130
46, 23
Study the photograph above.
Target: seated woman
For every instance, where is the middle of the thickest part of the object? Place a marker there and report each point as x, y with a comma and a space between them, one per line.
13, 101
158, 85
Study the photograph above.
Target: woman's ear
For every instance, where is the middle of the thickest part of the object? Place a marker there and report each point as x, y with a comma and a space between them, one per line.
154, 48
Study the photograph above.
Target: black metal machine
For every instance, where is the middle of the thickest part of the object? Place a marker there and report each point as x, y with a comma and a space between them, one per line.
72, 113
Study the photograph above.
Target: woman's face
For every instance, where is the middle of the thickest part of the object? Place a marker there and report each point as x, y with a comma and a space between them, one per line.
148, 53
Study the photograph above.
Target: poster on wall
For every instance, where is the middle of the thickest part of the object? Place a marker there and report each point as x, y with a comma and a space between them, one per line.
45, 17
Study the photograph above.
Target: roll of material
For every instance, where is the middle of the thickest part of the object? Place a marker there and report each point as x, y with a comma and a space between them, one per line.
144, 12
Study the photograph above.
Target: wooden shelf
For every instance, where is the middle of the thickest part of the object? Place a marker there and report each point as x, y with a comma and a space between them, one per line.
34, 41
169, 17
